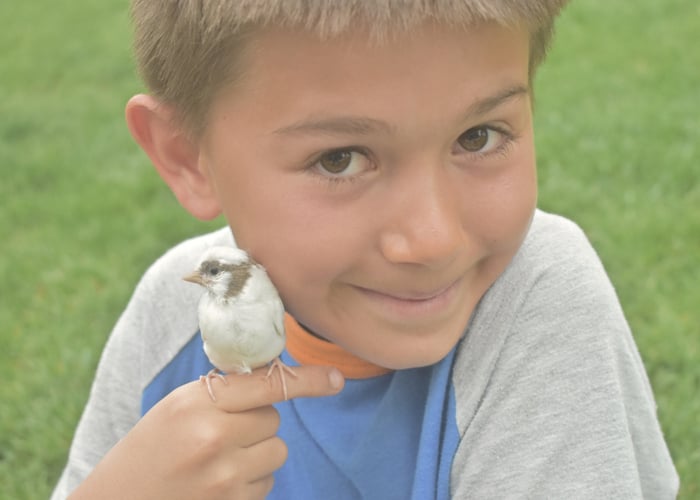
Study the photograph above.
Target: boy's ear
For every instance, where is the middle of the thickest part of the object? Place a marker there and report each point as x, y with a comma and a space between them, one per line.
176, 157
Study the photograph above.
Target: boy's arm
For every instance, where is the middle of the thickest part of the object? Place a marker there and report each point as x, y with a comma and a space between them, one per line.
159, 319
114, 403
553, 399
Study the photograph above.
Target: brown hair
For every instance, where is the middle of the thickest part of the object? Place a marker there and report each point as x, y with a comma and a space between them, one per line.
186, 50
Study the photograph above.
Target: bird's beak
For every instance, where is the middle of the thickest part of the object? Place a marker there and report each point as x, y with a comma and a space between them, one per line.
194, 277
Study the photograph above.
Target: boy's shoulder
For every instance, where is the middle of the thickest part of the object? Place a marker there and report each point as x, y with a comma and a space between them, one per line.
554, 234
554, 245
183, 257
549, 360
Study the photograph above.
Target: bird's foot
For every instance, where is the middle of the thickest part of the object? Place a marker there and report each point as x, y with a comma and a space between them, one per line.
277, 363
207, 380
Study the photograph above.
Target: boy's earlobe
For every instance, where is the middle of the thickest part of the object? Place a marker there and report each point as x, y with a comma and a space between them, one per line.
175, 156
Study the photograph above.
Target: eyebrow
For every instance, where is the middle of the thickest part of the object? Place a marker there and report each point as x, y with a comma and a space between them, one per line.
483, 106
338, 125
359, 125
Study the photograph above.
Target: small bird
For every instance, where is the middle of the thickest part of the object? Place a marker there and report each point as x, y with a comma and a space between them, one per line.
241, 316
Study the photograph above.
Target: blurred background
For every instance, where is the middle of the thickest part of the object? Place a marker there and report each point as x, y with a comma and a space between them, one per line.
82, 213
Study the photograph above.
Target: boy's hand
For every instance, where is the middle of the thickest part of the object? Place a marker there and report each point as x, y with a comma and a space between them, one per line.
188, 446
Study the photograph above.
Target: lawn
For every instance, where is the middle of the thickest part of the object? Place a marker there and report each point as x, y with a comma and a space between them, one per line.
83, 214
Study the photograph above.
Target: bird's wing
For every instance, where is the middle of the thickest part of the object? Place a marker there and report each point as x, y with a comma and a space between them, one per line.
279, 318
279, 331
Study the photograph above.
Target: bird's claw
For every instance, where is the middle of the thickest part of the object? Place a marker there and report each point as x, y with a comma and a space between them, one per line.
207, 380
277, 363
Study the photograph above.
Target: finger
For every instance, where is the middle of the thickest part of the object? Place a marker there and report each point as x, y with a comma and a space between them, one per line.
254, 426
265, 457
262, 487
245, 392
250, 470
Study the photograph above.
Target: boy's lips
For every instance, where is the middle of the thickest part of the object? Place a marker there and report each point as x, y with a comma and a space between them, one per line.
415, 302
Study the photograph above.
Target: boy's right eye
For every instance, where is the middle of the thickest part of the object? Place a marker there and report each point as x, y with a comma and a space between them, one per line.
336, 161
342, 163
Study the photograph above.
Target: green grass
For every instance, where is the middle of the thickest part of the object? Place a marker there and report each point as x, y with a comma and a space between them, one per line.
618, 122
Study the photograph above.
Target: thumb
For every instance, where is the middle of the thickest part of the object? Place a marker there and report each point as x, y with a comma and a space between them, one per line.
245, 392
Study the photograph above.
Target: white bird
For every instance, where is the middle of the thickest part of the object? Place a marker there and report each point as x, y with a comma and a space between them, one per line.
241, 316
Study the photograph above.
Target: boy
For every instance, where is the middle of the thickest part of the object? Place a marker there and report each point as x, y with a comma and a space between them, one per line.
377, 158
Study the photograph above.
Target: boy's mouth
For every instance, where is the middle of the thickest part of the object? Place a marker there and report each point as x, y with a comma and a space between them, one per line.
415, 302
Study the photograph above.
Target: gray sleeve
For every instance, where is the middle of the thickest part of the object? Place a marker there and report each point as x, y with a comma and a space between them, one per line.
114, 403
553, 400
159, 319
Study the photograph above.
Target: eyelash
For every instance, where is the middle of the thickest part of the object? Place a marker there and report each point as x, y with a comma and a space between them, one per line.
501, 150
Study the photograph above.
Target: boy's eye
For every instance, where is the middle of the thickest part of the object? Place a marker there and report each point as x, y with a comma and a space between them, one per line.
343, 163
336, 161
474, 139
480, 139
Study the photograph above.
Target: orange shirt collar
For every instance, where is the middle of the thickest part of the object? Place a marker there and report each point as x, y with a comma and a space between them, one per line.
308, 349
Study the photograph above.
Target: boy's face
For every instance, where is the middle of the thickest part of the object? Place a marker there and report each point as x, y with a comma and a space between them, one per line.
385, 187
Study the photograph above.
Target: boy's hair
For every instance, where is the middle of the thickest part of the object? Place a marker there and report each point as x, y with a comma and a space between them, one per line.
186, 50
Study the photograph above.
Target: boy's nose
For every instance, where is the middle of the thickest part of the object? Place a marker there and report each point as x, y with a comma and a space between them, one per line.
426, 226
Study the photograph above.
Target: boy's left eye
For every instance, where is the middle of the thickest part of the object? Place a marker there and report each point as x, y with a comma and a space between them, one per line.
480, 139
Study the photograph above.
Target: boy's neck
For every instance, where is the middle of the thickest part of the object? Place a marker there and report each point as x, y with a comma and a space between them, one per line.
307, 348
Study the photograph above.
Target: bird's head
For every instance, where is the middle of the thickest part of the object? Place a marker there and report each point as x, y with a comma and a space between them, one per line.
223, 271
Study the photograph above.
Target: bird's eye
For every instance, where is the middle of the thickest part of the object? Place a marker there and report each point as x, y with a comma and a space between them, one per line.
213, 271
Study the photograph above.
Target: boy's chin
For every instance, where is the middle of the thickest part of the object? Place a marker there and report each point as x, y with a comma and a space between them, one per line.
409, 355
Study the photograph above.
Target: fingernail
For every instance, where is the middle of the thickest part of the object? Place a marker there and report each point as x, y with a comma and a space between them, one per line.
336, 379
